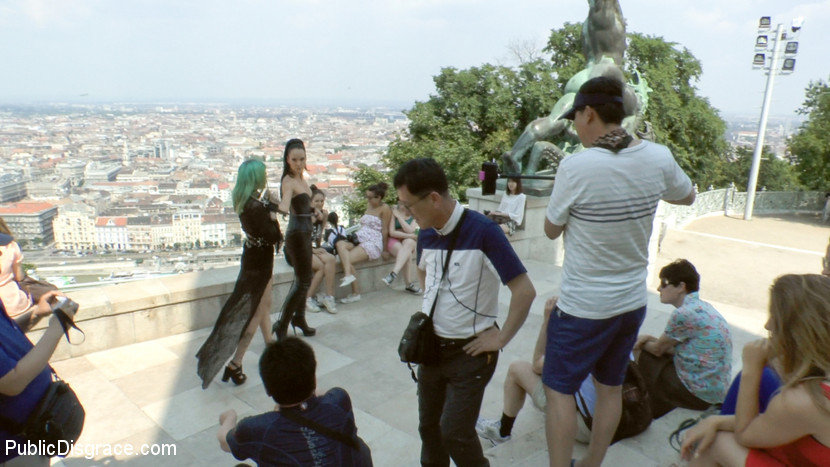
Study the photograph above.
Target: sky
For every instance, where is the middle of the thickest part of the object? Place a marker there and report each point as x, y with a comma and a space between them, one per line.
359, 51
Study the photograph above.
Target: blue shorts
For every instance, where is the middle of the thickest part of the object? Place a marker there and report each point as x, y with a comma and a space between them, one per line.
577, 347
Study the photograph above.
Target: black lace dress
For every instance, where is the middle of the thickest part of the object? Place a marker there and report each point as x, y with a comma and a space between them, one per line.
255, 271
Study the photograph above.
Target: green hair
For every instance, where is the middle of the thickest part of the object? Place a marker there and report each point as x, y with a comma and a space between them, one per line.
249, 178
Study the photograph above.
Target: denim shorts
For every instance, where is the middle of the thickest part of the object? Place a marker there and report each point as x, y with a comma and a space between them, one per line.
577, 347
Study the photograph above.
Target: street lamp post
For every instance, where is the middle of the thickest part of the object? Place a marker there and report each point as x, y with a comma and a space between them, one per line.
762, 42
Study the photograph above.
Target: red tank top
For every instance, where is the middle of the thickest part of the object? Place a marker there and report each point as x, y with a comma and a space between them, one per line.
804, 452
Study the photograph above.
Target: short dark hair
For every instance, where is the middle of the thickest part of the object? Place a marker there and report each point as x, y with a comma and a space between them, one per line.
287, 368
333, 219
421, 177
681, 270
610, 112
379, 189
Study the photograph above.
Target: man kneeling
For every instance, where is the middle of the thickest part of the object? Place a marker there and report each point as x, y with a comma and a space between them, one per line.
303, 429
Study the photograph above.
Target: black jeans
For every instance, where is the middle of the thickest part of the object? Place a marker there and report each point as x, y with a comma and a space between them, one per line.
298, 255
665, 390
449, 400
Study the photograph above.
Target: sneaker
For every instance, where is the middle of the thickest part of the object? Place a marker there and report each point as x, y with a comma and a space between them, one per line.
413, 288
347, 280
389, 279
351, 298
328, 303
489, 429
311, 305
511, 228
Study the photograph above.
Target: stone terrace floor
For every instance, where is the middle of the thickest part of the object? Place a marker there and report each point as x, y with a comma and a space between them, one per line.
149, 393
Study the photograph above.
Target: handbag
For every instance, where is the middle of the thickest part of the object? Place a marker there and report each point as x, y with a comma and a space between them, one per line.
35, 288
419, 344
59, 416
636, 407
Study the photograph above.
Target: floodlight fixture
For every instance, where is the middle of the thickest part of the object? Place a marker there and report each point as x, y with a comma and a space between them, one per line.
791, 48
789, 65
759, 60
765, 22
761, 42
797, 23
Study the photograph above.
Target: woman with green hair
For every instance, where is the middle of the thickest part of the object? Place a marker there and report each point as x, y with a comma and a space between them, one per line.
249, 305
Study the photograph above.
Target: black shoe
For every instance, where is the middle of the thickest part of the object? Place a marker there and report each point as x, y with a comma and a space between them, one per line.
308, 331
234, 374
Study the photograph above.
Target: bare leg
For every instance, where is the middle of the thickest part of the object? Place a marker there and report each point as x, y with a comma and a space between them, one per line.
520, 380
317, 268
329, 265
343, 247
560, 427
261, 319
725, 451
607, 413
355, 255
355, 287
505, 228
403, 257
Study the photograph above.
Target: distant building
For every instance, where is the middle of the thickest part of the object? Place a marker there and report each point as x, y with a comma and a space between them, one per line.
101, 172
54, 188
111, 233
12, 188
30, 220
140, 233
74, 227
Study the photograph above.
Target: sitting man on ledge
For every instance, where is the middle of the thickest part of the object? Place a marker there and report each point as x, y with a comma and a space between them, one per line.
303, 429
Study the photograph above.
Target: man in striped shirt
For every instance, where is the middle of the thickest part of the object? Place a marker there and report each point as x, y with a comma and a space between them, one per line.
604, 199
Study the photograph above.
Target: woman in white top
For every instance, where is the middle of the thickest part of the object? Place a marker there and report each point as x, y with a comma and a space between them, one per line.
511, 210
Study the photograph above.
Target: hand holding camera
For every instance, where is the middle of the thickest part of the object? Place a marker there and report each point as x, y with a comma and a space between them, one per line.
64, 310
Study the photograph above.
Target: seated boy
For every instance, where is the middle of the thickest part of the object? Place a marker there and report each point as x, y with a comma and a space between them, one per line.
304, 429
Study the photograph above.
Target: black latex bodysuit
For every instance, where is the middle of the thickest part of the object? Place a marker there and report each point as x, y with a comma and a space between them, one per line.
298, 255
255, 271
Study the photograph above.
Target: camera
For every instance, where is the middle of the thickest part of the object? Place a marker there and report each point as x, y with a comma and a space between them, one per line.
64, 309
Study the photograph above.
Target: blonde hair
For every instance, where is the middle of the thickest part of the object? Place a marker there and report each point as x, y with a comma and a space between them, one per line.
5, 228
800, 331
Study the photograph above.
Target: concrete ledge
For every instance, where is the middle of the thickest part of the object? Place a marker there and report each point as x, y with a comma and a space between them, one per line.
117, 315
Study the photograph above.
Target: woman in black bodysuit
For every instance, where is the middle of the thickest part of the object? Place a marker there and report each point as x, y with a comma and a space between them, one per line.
249, 305
296, 201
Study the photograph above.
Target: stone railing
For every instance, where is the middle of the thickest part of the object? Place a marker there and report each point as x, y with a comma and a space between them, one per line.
729, 201
116, 315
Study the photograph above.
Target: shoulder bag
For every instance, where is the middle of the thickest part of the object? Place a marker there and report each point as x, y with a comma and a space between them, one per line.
419, 344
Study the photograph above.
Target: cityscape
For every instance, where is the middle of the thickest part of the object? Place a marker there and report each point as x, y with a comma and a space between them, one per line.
152, 181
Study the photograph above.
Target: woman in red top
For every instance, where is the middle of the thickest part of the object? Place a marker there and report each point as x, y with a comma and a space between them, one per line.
795, 429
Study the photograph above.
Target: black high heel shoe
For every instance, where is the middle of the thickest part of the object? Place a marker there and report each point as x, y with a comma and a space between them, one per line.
235, 375
308, 331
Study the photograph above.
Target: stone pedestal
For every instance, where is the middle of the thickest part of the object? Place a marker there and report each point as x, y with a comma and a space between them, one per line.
529, 241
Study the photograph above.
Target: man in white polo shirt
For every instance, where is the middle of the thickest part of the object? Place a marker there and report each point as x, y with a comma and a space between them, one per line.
603, 199
467, 305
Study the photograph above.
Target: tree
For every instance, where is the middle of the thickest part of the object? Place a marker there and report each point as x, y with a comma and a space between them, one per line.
775, 174
477, 114
809, 149
365, 177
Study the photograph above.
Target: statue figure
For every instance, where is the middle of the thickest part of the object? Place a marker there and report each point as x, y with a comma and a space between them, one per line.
603, 44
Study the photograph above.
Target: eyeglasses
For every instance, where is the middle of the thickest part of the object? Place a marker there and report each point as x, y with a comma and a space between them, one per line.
665, 283
408, 209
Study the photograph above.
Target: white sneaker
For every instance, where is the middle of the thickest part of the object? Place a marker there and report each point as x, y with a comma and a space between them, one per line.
328, 303
389, 279
351, 298
413, 288
489, 429
311, 305
347, 280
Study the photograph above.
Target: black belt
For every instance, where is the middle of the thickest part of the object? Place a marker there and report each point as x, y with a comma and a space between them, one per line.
447, 342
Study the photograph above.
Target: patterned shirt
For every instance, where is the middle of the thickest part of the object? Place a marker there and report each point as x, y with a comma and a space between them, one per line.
703, 358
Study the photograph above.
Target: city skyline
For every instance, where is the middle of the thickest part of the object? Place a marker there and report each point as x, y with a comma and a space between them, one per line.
351, 52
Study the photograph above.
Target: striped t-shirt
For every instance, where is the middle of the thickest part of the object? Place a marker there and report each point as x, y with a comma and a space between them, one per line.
606, 201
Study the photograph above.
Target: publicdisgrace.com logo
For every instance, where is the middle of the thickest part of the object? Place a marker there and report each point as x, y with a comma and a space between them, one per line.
88, 451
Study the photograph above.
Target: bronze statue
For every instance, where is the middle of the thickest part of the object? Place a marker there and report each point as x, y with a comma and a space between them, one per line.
603, 44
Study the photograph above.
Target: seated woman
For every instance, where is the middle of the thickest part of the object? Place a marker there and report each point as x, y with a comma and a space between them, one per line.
323, 263
511, 210
691, 363
403, 238
25, 374
370, 238
795, 428
15, 300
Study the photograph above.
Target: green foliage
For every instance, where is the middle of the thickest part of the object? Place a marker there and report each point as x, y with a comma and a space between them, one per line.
477, 114
810, 147
680, 119
774, 174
